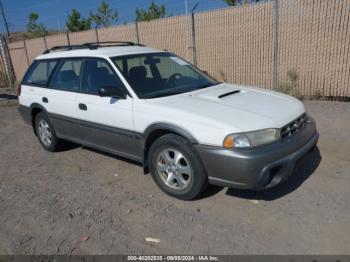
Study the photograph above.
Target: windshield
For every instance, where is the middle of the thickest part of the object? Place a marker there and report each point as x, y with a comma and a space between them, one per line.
155, 75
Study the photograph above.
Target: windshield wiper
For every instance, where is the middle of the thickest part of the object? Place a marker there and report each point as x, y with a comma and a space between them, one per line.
229, 93
169, 93
164, 94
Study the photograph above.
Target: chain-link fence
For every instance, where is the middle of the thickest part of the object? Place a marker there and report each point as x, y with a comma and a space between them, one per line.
299, 47
7, 75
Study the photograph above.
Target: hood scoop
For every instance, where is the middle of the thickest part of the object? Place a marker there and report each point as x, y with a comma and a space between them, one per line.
229, 93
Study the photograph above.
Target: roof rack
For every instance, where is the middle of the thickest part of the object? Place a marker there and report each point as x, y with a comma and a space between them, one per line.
90, 45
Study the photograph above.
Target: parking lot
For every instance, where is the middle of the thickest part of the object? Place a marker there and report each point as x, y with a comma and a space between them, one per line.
81, 201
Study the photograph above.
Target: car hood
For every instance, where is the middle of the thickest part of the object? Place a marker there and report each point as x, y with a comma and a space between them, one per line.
246, 109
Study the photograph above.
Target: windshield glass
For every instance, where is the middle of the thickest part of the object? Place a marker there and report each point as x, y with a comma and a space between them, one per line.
161, 74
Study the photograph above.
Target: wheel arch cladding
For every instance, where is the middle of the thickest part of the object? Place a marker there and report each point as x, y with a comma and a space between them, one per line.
34, 110
155, 131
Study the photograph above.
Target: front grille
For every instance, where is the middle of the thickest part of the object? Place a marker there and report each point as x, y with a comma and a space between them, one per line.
293, 127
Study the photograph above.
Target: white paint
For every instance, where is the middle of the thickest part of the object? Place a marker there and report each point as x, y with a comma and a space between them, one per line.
201, 113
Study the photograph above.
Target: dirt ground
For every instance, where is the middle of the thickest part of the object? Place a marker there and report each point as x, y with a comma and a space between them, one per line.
80, 201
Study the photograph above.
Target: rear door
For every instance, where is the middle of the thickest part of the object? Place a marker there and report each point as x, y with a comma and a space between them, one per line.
106, 122
62, 98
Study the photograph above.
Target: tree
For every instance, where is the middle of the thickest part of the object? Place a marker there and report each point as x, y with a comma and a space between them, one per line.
75, 23
154, 12
104, 16
238, 2
232, 2
33, 27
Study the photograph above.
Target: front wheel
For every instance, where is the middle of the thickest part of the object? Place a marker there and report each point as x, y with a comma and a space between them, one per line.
176, 167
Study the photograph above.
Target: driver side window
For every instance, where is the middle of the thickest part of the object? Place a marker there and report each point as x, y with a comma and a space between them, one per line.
97, 73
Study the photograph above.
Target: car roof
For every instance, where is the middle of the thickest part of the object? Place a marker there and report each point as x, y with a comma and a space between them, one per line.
100, 52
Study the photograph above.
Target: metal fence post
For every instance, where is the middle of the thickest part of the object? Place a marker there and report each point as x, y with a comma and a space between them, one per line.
194, 51
45, 43
68, 40
96, 33
26, 51
137, 32
193, 31
276, 26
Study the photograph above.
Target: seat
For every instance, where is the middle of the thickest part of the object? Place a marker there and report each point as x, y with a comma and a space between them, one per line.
96, 77
137, 77
67, 80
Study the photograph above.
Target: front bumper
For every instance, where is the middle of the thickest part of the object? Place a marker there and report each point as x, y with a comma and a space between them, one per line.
257, 168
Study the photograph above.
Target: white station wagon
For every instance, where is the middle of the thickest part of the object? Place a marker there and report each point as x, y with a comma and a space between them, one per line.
154, 107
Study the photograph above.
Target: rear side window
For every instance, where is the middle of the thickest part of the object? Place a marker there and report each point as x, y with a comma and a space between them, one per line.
39, 73
67, 76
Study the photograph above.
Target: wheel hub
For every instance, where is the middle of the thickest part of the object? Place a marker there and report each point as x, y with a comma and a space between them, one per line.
44, 132
174, 169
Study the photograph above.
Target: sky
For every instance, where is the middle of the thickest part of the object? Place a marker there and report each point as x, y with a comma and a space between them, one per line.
53, 13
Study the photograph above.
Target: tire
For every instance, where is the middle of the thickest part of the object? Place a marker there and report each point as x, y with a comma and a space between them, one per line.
46, 133
176, 167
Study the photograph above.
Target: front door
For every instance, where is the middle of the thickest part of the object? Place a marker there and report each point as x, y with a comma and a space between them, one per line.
106, 122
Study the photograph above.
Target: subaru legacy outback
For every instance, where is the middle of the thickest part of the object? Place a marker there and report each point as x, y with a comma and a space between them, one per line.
151, 106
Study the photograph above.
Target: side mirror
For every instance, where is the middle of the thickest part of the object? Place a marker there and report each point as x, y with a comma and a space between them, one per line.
111, 91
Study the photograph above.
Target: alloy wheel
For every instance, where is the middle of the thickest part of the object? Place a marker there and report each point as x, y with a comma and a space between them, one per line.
174, 169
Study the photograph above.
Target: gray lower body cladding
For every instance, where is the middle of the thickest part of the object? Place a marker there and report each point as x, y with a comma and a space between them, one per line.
25, 113
121, 142
257, 168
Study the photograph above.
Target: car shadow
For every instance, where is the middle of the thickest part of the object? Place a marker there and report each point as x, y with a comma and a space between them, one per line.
8, 97
67, 146
209, 192
304, 168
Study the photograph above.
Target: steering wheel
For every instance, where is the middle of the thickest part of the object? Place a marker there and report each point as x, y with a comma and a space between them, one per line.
171, 81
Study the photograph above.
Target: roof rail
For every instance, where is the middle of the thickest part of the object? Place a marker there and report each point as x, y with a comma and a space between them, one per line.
62, 47
91, 45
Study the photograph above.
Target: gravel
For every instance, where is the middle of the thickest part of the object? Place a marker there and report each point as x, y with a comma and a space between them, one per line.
82, 201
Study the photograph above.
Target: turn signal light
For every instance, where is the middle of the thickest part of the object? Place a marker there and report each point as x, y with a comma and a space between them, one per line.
228, 142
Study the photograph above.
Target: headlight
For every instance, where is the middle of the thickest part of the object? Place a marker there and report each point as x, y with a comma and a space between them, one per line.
252, 139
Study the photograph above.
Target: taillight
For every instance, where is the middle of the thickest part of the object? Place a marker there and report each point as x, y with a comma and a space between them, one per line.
18, 90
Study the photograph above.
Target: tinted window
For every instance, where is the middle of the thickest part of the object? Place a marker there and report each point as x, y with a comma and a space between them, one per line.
67, 76
39, 73
119, 64
97, 73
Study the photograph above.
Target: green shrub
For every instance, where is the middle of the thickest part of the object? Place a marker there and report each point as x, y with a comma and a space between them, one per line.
291, 87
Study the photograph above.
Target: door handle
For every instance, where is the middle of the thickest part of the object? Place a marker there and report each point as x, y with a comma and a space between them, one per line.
45, 100
82, 107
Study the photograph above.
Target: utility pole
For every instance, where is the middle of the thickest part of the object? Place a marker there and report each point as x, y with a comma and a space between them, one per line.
5, 21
